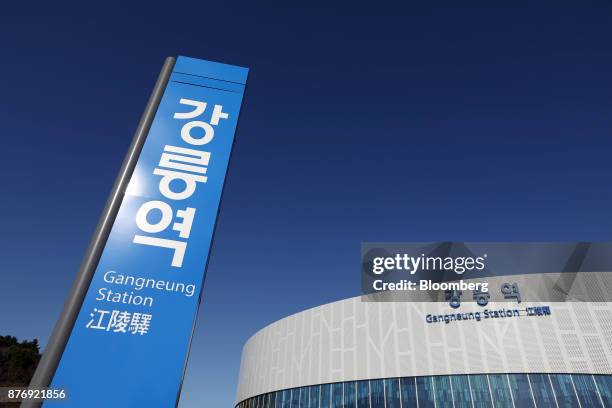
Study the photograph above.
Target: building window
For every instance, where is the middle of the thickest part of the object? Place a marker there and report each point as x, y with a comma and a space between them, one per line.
542, 390
314, 392
392, 393
481, 394
565, 392
363, 394
325, 396
462, 396
500, 391
377, 394
521, 390
442, 392
456, 391
409, 397
586, 390
350, 395
425, 394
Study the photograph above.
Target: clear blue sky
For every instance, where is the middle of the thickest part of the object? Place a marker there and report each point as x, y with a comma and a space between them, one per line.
359, 124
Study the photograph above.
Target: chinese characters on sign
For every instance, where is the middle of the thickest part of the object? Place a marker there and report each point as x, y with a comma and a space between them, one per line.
119, 321
538, 311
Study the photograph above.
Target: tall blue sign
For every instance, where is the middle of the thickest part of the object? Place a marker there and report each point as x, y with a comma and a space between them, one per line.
129, 343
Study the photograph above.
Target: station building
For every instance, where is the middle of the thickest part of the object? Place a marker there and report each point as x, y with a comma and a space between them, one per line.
366, 353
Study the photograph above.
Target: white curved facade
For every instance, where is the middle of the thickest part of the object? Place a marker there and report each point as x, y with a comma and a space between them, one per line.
354, 339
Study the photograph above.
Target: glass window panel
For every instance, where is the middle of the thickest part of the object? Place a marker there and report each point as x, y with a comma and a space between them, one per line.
604, 385
442, 390
363, 394
285, 399
349, 394
519, 385
457, 391
313, 401
461, 391
408, 389
425, 394
392, 393
564, 390
325, 395
542, 392
337, 395
498, 384
377, 396
303, 397
295, 398
480, 391
275, 402
265, 400
585, 387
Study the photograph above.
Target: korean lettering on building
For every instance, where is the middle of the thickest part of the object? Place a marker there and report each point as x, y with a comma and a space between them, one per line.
508, 290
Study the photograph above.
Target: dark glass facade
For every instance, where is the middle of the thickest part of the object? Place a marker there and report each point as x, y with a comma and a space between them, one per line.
454, 391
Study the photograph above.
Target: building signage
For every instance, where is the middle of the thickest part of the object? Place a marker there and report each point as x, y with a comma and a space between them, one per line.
477, 316
509, 291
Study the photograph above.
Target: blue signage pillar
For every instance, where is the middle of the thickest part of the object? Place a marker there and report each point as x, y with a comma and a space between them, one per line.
129, 341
